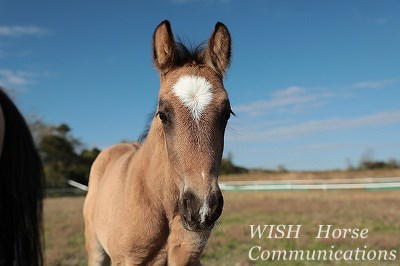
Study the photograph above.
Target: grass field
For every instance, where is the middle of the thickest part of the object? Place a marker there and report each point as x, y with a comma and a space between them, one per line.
379, 211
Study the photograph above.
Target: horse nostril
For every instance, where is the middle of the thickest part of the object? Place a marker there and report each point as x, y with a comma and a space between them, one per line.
188, 208
185, 203
216, 201
216, 204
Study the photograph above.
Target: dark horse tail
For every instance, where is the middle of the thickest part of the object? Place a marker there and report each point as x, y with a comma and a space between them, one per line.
21, 193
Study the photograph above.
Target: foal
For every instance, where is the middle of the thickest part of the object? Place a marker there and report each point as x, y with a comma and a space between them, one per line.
156, 202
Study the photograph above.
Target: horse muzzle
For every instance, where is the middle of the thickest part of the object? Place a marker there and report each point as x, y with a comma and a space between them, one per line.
200, 214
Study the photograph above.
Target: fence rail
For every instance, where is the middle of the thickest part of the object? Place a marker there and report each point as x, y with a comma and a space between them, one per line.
77, 185
313, 184
367, 183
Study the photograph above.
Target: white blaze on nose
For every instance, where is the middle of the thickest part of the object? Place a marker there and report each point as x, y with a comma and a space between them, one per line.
204, 210
195, 93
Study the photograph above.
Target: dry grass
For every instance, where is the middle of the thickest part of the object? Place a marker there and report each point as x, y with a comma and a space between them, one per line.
230, 242
377, 211
64, 240
258, 175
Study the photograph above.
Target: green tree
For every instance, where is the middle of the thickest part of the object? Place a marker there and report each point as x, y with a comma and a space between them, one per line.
59, 151
228, 167
81, 170
58, 155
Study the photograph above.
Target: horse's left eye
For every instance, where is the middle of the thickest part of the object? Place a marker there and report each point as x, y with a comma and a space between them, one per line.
227, 115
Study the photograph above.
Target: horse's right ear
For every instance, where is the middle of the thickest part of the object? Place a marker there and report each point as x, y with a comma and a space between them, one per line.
163, 46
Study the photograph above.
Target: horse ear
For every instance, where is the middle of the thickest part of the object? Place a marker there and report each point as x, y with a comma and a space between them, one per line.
163, 46
218, 52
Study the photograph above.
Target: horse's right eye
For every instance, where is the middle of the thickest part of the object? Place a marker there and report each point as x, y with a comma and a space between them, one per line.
163, 117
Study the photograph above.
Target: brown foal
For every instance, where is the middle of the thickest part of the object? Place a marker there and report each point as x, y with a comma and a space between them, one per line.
156, 202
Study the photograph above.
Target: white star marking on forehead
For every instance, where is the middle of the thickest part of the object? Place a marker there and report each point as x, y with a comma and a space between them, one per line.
195, 93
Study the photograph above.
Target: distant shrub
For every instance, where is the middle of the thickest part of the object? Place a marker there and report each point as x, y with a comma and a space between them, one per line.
228, 167
281, 169
370, 165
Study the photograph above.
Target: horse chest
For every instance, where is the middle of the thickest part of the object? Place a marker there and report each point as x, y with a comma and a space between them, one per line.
139, 233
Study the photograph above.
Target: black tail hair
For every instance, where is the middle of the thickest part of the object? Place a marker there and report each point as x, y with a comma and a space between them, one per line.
21, 192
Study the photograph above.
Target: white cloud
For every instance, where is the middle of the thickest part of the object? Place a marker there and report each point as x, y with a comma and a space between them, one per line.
21, 30
290, 91
291, 99
9, 77
310, 127
296, 99
18, 80
374, 84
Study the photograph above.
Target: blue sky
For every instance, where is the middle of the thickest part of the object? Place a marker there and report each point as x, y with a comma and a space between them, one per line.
313, 83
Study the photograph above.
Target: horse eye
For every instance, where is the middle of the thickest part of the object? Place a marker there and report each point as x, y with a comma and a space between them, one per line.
227, 116
163, 117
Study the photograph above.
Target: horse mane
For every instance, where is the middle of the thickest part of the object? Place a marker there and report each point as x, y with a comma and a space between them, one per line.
21, 191
145, 132
188, 54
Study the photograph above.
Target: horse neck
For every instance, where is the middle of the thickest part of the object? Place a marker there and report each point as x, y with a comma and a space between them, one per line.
156, 172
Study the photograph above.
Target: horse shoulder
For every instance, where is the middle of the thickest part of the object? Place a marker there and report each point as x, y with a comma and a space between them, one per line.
110, 155
103, 161
98, 193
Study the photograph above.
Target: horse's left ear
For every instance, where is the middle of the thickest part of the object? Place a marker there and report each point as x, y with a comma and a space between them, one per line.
218, 52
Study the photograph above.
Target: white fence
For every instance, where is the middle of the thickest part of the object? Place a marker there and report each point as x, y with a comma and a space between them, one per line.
312, 184
77, 185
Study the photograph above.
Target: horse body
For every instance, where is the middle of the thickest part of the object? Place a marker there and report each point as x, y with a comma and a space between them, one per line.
129, 221
124, 216
156, 202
